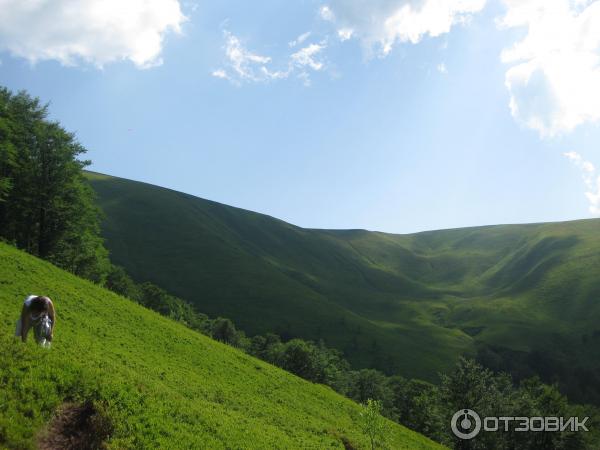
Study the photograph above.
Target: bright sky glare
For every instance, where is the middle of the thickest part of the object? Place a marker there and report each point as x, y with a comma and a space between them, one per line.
391, 115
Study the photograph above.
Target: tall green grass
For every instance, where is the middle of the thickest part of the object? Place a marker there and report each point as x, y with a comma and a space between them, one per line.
159, 384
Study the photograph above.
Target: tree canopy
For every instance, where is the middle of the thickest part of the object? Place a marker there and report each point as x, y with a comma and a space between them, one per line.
47, 208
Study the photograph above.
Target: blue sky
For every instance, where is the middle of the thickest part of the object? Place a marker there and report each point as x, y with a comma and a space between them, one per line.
400, 123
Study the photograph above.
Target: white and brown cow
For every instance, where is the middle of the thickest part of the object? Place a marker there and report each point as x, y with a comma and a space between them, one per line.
37, 312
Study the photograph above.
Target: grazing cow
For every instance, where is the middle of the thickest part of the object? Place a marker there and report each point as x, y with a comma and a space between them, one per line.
38, 312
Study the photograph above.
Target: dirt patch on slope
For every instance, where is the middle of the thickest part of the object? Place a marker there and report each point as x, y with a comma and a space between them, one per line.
75, 427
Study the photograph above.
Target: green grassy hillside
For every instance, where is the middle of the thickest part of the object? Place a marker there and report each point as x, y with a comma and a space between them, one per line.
405, 303
159, 384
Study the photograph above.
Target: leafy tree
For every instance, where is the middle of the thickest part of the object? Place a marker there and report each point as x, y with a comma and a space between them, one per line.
536, 399
46, 206
471, 386
336, 369
368, 384
268, 347
164, 303
224, 330
7, 153
372, 422
120, 282
416, 405
302, 358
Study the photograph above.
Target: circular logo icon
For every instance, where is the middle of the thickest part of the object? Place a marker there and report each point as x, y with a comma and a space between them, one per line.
466, 424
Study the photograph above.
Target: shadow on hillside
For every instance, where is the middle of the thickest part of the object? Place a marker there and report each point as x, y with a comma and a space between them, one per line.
75, 427
530, 264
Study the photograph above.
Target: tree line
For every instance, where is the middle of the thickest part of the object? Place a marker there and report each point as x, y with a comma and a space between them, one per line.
424, 407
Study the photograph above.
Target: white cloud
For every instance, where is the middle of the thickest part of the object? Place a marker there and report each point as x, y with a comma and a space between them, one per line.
326, 13
591, 180
243, 65
307, 56
441, 68
94, 31
220, 73
247, 65
554, 78
380, 24
345, 33
300, 39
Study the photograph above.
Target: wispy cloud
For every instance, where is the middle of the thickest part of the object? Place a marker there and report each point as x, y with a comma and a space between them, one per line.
220, 73
307, 58
93, 31
441, 68
300, 39
326, 13
243, 65
554, 78
591, 180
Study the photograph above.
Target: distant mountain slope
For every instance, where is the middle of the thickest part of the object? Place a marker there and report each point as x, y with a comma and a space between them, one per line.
159, 384
407, 303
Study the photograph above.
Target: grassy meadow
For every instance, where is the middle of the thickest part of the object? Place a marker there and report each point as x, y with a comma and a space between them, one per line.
156, 383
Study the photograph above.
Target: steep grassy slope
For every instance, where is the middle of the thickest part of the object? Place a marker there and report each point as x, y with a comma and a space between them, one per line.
407, 303
268, 275
161, 385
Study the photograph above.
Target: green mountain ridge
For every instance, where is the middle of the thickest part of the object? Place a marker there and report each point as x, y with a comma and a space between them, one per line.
157, 383
401, 303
